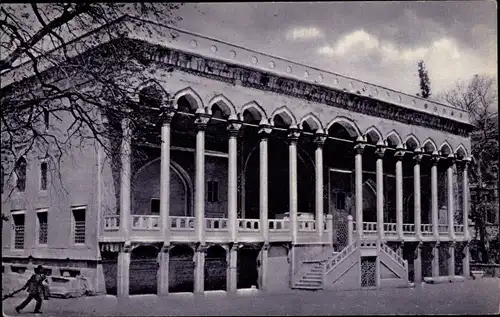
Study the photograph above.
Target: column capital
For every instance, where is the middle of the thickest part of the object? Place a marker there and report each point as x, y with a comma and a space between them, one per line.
380, 151
201, 121
167, 113
417, 157
435, 159
202, 247
293, 135
165, 247
449, 160
463, 163
320, 139
265, 130
233, 127
399, 155
359, 147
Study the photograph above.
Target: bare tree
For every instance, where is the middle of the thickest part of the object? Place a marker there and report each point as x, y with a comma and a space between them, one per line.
70, 79
479, 98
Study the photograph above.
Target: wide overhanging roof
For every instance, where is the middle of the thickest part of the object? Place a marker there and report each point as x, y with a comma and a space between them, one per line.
189, 42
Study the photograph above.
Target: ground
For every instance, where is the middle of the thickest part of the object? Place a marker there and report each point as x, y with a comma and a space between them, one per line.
469, 297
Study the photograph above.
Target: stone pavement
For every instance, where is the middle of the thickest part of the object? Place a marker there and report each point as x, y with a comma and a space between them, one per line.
469, 297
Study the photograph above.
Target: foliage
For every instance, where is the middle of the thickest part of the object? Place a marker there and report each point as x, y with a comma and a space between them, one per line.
425, 83
479, 98
89, 82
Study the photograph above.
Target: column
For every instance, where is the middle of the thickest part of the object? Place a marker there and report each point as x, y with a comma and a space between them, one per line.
466, 260
349, 230
125, 178
451, 260
435, 260
380, 191
232, 190
199, 202
358, 173
263, 266
465, 209
399, 194
292, 176
123, 267
417, 263
263, 180
416, 195
199, 271
232, 268
163, 257
167, 115
451, 208
434, 200
320, 141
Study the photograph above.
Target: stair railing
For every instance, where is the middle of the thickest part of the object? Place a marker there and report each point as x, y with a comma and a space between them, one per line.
330, 264
392, 254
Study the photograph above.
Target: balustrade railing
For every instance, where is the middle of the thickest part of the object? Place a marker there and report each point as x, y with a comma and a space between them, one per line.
408, 228
181, 223
145, 222
307, 225
390, 252
369, 228
390, 228
216, 224
278, 225
248, 224
426, 229
333, 262
111, 223
459, 228
443, 228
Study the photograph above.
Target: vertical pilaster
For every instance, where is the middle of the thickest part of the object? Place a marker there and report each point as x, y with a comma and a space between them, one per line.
435, 260
199, 272
465, 197
263, 180
466, 260
166, 116
358, 179
292, 176
125, 152
451, 260
123, 268
416, 196
199, 203
417, 263
232, 182
163, 258
232, 268
399, 155
264, 266
319, 141
434, 201
451, 207
349, 230
380, 191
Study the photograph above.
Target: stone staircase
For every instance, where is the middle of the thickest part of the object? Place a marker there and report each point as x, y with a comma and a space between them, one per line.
316, 272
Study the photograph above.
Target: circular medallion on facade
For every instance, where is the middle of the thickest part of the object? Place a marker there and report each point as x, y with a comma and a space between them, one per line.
289, 69
320, 77
213, 48
193, 43
232, 54
426, 106
254, 59
306, 74
271, 64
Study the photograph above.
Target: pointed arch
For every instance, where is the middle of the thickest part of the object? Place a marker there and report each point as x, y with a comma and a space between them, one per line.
313, 122
285, 115
225, 105
20, 171
461, 152
373, 135
152, 83
411, 142
195, 101
429, 146
349, 125
445, 149
255, 111
393, 139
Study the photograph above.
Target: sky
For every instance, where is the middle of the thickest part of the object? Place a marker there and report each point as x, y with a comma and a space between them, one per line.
377, 42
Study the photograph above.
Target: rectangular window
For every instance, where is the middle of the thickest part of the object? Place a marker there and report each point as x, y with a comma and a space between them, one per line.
42, 216
213, 191
18, 220
43, 176
155, 206
79, 225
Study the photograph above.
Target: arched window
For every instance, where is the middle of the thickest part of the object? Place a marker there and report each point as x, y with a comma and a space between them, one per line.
21, 174
43, 176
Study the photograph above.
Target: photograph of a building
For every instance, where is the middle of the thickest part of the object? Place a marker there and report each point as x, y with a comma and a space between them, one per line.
236, 169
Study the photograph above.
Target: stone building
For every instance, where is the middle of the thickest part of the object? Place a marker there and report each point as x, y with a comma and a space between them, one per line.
254, 172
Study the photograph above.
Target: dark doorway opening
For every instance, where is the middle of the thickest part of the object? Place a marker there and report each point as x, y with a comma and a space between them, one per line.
248, 274
215, 269
181, 269
143, 270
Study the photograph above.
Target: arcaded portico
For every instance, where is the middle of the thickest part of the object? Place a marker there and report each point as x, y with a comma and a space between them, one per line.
254, 171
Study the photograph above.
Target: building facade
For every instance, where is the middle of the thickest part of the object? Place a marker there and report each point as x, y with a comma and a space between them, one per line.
251, 171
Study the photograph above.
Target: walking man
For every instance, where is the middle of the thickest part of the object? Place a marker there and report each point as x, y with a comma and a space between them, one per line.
35, 291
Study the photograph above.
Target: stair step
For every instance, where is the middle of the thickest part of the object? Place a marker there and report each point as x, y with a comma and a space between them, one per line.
308, 281
312, 278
